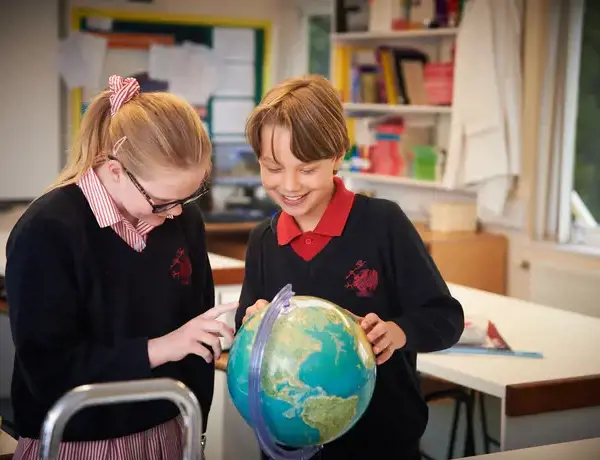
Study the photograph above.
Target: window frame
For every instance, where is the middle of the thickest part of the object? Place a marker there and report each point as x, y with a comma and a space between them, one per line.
569, 231
307, 9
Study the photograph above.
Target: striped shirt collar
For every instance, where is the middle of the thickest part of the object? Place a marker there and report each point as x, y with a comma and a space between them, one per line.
103, 206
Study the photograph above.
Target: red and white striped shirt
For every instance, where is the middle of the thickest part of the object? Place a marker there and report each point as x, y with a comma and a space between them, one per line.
107, 214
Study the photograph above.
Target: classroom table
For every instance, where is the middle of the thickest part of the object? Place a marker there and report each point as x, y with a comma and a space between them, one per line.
544, 401
586, 449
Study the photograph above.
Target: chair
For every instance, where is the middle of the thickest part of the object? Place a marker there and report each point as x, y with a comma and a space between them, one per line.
487, 439
464, 398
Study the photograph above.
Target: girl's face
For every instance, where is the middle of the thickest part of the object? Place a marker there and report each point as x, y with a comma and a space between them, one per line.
163, 187
302, 190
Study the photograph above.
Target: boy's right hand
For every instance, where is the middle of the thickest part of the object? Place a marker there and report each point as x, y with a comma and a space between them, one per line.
194, 337
253, 309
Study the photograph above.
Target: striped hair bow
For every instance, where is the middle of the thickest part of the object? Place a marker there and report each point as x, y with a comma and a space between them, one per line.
122, 90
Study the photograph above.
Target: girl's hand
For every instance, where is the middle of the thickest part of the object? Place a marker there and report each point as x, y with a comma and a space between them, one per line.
259, 305
385, 336
194, 337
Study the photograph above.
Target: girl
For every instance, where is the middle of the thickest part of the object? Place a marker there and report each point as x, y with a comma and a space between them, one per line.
361, 253
108, 279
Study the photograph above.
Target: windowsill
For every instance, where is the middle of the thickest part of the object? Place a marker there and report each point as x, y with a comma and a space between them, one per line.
580, 249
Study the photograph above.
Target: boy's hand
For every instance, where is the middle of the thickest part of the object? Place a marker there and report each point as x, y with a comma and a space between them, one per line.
258, 305
385, 336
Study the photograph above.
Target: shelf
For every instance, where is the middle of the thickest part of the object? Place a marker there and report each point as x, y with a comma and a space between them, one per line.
416, 115
401, 181
392, 36
392, 109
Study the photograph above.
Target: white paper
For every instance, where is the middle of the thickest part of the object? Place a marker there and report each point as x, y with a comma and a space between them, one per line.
196, 79
166, 61
363, 134
236, 79
229, 115
80, 59
99, 23
234, 43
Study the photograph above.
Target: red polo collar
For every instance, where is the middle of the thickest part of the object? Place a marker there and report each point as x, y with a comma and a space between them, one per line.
332, 222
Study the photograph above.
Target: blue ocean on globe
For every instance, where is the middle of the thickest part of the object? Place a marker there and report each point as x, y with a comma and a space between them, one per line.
317, 377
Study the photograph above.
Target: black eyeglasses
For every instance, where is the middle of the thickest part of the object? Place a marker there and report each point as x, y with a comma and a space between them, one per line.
164, 207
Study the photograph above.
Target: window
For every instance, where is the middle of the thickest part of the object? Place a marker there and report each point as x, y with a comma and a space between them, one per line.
319, 27
585, 199
316, 28
574, 195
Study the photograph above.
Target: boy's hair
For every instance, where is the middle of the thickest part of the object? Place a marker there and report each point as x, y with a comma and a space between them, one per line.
310, 108
160, 129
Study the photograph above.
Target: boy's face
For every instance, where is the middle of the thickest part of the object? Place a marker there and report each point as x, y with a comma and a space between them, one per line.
303, 190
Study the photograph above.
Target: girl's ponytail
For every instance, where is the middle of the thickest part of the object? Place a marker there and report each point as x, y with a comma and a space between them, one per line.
89, 149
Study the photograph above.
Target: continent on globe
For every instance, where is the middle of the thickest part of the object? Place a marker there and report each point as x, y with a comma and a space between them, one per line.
317, 376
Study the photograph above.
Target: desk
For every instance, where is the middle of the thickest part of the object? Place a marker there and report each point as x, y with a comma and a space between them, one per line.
544, 401
8, 445
587, 449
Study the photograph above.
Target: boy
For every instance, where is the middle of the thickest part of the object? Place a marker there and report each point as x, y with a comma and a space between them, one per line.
361, 253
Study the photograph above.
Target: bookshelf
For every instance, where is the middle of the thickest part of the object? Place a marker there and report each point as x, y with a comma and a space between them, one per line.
380, 92
395, 36
394, 180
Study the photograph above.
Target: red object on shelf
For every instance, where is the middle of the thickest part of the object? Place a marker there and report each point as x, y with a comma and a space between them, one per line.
439, 82
386, 156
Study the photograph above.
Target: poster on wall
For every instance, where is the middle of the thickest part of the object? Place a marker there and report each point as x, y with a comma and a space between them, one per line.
138, 55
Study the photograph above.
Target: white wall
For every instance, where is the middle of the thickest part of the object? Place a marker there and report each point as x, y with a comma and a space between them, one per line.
30, 110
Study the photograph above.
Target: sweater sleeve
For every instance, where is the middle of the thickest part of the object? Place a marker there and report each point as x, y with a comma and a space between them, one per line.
200, 253
427, 313
252, 286
48, 320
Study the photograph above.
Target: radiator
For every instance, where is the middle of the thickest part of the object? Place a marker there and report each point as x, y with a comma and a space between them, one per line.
568, 288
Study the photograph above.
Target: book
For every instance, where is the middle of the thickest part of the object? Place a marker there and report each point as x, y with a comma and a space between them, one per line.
481, 337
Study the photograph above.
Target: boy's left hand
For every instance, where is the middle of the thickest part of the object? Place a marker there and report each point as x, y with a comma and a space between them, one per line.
385, 336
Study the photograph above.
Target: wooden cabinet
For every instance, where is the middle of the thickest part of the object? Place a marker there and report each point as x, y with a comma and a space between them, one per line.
476, 260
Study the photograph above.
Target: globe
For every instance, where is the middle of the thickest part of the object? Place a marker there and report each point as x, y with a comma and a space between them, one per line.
317, 373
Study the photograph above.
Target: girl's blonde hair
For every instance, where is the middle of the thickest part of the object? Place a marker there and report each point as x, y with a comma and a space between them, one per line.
161, 130
310, 108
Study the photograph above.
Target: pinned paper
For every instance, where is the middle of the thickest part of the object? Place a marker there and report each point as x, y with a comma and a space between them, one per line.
229, 115
197, 79
80, 59
234, 43
165, 61
190, 69
236, 79
99, 23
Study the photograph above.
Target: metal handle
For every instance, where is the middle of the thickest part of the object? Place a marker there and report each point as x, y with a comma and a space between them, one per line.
120, 392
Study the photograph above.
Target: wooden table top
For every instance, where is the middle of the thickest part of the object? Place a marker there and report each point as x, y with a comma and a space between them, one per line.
230, 227
8, 445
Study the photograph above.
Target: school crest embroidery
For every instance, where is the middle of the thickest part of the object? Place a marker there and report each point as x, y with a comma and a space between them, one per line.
362, 280
181, 268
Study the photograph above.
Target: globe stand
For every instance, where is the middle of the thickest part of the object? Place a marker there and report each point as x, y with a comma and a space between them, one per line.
279, 304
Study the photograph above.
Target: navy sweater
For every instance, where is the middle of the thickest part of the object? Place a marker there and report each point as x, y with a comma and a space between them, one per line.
83, 305
378, 265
